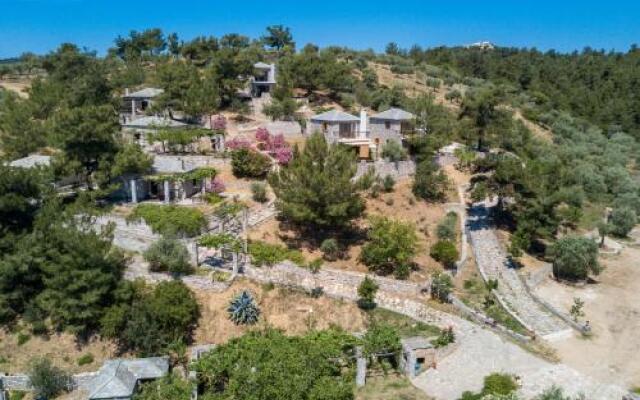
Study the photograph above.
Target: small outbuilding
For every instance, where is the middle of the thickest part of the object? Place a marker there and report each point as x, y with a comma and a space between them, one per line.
418, 353
391, 124
118, 379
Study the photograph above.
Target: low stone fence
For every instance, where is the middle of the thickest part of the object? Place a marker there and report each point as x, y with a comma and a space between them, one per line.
22, 382
382, 168
482, 319
343, 284
582, 328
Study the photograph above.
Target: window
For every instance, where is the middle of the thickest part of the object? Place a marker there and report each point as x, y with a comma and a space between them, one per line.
325, 127
387, 124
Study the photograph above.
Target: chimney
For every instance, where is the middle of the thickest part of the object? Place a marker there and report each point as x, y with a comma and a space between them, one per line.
363, 124
126, 91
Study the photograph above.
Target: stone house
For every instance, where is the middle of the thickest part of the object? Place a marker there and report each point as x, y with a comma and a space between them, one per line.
137, 130
366, 134
263, 79
392, 124
136, 103
42, 160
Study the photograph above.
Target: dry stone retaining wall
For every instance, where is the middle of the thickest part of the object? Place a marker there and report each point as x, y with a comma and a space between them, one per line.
382, 168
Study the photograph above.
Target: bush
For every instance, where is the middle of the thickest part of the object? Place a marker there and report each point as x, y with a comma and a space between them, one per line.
247, 163
166, 315
499, 384
48, 381
445, 338
259, 192
243, 310
391, 247
441, 286
444, 252
270, 254
170, 220
330, 249
85, 359
367, 293
393, 151
168, 255
574, 258
446, 229
430, 183
622, 221
315, 265
388, 183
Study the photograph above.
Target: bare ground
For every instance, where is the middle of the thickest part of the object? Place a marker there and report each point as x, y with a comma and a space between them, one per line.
612, 307
399, 204
293, 312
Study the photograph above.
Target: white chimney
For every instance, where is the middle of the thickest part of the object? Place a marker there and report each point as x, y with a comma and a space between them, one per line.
126, 91
363, 124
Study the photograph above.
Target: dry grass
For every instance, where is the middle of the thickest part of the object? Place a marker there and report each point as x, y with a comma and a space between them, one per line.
20, 88
62, 349
393, 386
399, 204
292, 311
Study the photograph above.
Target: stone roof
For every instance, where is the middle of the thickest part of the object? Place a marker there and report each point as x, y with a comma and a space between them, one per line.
394, 114
262, 65
171, 165
415, 342
335, 116
31, 161
117, 379
153, 121
145, 93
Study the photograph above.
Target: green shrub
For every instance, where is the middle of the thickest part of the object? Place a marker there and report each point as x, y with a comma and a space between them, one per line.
315, 265
446, 229
330, 249
170, 220
168, 255
388, 183
430, 183
367, 293
574, 258
391, 247
23, 338
247, 163
48, 381
270, 254
622, 220
446, 337
259, 192
393, 151
444, 252
441, 286
499, 384
85, 359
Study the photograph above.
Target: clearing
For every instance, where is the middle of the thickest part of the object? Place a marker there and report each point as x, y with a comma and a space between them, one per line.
612, 307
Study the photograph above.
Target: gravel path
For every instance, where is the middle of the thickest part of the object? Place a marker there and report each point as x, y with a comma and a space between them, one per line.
493, 264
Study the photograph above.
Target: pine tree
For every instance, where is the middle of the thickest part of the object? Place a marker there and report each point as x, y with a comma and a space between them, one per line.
316, 188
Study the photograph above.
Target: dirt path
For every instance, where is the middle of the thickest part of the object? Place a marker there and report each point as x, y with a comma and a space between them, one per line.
613, 309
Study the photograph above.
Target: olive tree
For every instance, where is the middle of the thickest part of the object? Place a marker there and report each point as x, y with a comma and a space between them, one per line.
574, 258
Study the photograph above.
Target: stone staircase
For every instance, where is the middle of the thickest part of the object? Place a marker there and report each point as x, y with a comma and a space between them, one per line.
493, 264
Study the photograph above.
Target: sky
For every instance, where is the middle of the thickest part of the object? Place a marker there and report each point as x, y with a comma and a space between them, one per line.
40, 26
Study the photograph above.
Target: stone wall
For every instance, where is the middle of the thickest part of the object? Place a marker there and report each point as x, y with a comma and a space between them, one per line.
22, 382
382, 168
341, 284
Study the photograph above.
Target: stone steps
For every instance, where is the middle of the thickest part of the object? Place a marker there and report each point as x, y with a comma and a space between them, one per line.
494, 264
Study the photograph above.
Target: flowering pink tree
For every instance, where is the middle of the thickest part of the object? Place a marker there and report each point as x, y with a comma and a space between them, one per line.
283, 155
275, 145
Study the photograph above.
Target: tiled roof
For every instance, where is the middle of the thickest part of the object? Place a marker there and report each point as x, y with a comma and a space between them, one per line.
31, 161
153, 121
335, 116
171, 165
394, 114
117, 379
145, 93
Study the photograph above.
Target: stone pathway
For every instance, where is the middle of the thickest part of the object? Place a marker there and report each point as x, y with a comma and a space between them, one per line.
493, 264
